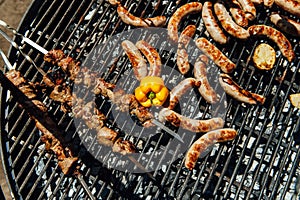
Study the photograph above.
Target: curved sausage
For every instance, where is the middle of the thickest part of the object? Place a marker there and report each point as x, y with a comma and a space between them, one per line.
234, 90
200, 73
228, 24
135, 57
180, 89
269, 3
249, 9
226, 65
181, 12
130, 19
237, 14
285, 24
204, 142
193, 125
277, 37
211, 24
182, 59
291, 6
152, 57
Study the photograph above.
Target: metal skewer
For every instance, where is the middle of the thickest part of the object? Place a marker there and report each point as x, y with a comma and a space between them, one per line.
16, 92
44, 51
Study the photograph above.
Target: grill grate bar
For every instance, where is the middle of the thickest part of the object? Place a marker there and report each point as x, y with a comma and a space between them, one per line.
221, 167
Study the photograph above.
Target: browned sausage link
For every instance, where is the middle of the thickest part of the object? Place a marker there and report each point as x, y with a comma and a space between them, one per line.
228, 24
269, 3
275, 35
248, 8
226, 65
181, 12
130, 19
285, 24
138, 62
152, 57
180, 89
182, 58
211, 24
114, 2
291, 6
200, 73
234, 90
193, 125
204, 142
257, 2
237, 14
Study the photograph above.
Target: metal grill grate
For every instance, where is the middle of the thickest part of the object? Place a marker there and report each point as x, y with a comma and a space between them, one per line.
261, 163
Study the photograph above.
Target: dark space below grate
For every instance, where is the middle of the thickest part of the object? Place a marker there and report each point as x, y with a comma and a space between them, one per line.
261, 163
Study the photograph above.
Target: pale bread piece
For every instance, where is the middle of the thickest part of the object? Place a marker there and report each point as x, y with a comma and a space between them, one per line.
295, 100
264, 57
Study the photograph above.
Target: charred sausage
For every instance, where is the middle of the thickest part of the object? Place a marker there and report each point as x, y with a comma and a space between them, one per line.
182, 58
234, 90
135, 57
228, 24
180, 89
211, 24
204, 142
152, 57
200, 73
291, 6
180, 13
237, 14
215, 54
249, 9
193, 125
130, 19
285, 24
277, 37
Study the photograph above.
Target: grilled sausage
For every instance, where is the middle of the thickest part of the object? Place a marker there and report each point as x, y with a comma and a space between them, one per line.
257, 2
130, 19
226, 65
182, 58
138, 62
211, 24
237, 14
285, 24
152, 57
180, 89
275, 35
228, 24
190, 124
204, 142
234, 90
249, 9
200, 73
291, 6
269, 3
181, 12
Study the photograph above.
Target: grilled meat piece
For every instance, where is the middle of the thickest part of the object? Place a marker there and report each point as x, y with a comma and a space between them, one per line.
123, 147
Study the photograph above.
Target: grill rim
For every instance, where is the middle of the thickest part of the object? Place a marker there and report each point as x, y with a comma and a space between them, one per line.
1, 91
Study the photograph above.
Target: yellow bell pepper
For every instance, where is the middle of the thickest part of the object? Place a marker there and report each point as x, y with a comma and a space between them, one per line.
152, 91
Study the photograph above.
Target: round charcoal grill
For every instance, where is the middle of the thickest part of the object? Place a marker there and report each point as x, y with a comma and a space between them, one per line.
261, 163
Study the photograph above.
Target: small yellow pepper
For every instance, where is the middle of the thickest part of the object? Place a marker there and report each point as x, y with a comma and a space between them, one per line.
152, 91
